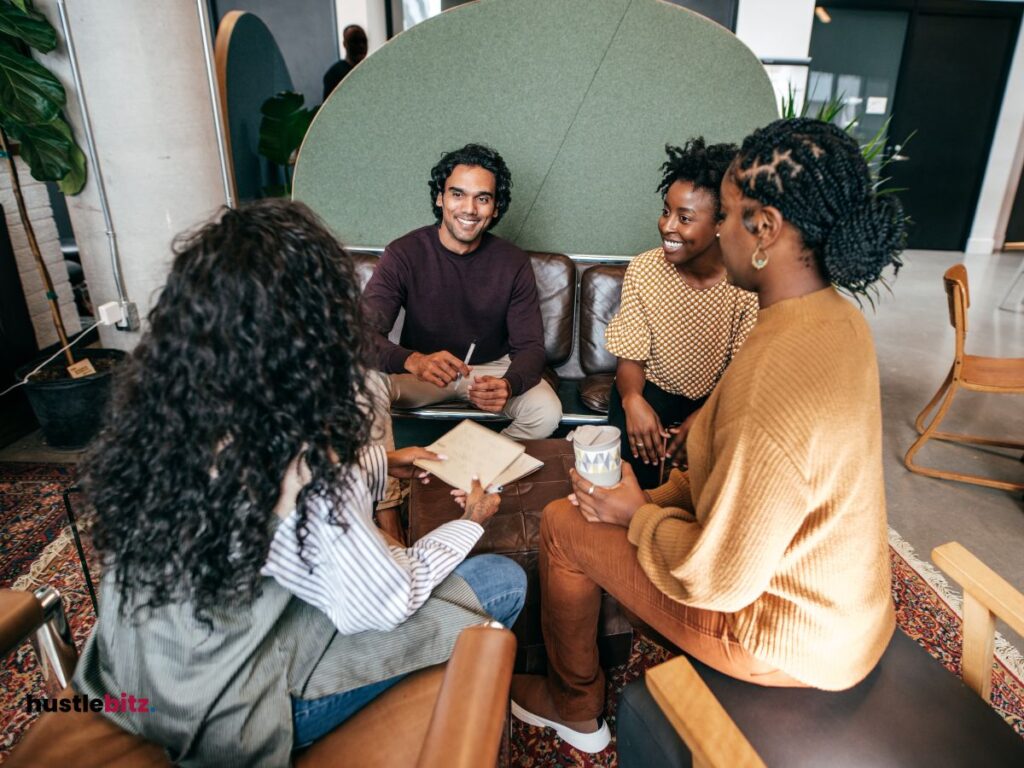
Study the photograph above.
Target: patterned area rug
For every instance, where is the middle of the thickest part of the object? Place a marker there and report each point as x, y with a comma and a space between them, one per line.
927, 610
31, 513
41, 551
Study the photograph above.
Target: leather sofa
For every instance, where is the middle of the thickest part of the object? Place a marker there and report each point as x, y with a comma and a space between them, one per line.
578, 298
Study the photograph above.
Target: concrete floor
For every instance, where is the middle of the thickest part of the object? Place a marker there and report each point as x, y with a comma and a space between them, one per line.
915, 349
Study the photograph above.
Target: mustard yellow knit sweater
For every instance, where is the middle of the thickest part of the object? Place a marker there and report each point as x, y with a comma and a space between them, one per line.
781, 520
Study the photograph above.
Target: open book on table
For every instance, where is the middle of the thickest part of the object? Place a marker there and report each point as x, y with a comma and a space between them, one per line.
473, 449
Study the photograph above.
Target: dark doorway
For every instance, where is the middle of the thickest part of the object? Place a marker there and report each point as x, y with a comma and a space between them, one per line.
1015, 227
952, 74
17, 344
950, 90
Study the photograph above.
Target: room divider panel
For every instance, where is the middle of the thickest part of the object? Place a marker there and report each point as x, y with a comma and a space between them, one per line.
579, 96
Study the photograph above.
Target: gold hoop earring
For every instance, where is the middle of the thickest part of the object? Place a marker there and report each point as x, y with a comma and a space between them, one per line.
757, 263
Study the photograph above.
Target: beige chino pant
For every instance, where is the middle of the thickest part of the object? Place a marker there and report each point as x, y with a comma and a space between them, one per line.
535, 414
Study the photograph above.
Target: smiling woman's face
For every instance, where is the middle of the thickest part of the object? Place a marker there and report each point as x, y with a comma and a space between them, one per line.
687, 223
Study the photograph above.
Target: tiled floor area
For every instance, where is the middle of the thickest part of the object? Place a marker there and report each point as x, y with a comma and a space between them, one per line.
915, 349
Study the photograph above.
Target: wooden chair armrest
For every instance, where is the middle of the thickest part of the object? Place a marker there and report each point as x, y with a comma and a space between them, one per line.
986, 597
20, 615
465, 729
700, 720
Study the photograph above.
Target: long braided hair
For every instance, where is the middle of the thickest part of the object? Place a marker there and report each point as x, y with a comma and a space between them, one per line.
814, 174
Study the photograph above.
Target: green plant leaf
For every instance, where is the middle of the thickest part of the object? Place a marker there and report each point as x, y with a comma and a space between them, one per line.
283, 126
45, 148
22, 4
28, 92
27, 25
74, 179
73, 182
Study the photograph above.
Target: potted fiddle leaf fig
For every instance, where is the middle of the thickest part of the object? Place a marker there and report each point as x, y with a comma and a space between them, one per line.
67, 396
282, 128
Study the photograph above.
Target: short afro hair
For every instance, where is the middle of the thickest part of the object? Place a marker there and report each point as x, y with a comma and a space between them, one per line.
483, 157
699, 163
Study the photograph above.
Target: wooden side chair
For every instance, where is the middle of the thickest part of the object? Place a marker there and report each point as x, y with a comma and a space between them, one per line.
999, 375
909, 711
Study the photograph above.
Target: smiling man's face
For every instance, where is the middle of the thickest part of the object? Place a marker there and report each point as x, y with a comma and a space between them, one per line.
467, 207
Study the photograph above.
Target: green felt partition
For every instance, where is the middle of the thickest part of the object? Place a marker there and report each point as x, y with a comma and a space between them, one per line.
579, 96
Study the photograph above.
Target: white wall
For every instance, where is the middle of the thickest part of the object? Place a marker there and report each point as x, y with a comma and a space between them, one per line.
369, 14
780, 29
144, 77
776, 29
1005, 160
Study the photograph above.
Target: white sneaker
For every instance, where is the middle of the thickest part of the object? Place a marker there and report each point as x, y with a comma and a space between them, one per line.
584, 742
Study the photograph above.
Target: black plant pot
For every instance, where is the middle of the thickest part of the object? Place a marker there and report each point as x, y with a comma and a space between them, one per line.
70, 411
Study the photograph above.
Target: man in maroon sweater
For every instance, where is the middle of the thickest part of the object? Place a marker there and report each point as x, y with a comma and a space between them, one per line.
461, 286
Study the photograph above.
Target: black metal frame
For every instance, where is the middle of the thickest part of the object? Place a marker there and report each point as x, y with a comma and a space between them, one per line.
78, 544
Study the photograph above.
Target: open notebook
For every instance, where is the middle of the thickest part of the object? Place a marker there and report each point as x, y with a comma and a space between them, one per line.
475, 450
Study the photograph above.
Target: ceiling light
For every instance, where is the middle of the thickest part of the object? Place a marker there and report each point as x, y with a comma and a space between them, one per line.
822, 14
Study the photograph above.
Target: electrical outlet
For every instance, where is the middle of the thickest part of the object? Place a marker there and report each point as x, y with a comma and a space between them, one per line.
129, 317
109, 313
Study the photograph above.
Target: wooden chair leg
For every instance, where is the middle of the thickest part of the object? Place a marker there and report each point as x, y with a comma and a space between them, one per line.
931, 432
927, 432
919, 421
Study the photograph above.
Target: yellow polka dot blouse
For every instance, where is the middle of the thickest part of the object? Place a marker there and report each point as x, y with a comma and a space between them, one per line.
683, 337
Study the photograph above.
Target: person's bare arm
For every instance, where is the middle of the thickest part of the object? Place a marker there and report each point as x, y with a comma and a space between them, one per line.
643, 426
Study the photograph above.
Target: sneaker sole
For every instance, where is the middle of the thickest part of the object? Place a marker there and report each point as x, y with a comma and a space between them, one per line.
591, 743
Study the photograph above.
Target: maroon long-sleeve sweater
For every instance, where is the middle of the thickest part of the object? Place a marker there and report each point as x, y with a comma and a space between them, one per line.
488, 296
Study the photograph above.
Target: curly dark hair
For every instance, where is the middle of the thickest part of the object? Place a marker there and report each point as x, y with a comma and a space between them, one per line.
699, 163
255, 354
814, 174
479, 155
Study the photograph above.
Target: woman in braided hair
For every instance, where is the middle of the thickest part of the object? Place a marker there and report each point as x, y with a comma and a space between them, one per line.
767, 560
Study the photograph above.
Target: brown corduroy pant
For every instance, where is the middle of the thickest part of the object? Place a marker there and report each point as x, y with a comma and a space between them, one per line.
579, 558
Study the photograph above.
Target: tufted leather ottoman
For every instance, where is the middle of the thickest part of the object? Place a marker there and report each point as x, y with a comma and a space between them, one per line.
515, 531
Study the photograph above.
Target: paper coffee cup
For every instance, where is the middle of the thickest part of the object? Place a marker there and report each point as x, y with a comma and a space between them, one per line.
598, 453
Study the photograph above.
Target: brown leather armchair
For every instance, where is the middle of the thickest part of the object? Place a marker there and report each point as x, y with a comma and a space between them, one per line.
600, 296
450, 715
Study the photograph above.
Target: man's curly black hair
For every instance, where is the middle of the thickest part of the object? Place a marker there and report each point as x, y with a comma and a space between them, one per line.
699, 163
255, 354
814, 174
479, 155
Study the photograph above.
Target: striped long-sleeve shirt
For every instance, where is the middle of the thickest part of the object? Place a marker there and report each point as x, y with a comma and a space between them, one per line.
354, 576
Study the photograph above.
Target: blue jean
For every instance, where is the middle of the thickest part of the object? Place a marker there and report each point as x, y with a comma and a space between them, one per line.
499, 585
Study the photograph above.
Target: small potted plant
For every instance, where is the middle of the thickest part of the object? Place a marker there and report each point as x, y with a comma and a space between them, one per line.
68, 395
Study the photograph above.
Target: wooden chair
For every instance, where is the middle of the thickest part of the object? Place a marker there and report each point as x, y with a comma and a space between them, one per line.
451, 715
849, 734
1000, 375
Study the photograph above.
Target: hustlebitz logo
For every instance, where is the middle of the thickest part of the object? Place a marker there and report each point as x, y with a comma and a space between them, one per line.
123, 703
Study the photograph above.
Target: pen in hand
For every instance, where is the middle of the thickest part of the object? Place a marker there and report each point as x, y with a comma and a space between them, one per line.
469, 356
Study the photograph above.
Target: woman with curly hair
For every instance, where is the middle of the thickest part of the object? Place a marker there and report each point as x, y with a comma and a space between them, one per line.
768, 560
247, 594
681, 320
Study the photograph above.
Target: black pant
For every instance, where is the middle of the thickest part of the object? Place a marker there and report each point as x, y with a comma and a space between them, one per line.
671, 410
